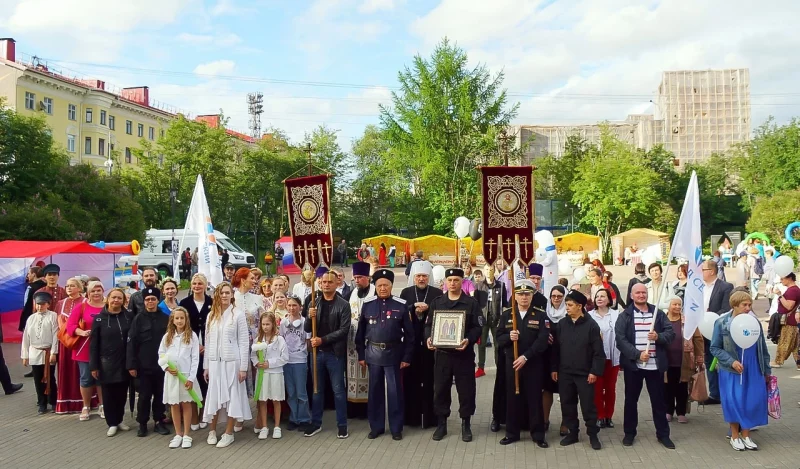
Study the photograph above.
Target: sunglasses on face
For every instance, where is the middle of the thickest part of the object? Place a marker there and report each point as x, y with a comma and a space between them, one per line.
556, 296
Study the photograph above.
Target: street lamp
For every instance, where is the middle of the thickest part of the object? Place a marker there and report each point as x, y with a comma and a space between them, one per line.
173, 196
256, 209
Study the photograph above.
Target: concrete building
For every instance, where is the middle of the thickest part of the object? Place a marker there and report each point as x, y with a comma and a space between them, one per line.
698, 113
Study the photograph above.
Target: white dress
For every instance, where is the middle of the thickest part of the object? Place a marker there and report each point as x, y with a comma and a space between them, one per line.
253, 306
224, 389
187, 358
277, 355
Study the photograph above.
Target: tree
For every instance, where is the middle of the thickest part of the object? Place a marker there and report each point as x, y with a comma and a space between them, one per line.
720, 202
442, 124
772, 214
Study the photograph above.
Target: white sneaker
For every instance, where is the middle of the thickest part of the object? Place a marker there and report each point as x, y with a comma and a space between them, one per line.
176, 442
750, 444
737, 444
101, 412
187, 442
111, 431
225, 441
212, 438
238, 428
256, 430
123, 427
203, 424
194, 427
263, 434
276, 433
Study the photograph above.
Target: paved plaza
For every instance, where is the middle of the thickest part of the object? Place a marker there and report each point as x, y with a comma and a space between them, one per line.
31, 441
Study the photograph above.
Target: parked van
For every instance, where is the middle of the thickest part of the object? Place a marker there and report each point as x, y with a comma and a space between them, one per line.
157, 250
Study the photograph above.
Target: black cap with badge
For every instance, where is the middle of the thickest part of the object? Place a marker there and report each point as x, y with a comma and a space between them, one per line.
454, 272
383, 273
150, 291
42, 297
51, 269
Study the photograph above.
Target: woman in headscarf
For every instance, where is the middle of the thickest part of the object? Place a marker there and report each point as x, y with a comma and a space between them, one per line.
556, 311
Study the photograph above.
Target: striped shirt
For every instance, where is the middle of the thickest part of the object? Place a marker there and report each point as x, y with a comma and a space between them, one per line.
642, 322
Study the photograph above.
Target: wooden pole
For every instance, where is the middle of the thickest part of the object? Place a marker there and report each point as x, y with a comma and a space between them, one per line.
514, 323
314, 334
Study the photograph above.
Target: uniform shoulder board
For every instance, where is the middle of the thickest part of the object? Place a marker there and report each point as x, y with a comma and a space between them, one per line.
370, 298
399, 300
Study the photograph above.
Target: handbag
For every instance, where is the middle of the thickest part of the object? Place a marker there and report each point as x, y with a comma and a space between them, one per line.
773, 398
698, 389
69, 341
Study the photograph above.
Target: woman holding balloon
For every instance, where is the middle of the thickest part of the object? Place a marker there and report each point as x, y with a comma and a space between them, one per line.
743, 370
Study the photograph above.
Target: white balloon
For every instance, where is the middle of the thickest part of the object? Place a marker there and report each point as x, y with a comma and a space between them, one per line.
438, 273
564, 266
578, 274
461, 227
784, 265
745, 330
648, 258
706, 325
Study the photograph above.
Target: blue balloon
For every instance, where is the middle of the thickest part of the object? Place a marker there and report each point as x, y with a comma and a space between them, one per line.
788, 233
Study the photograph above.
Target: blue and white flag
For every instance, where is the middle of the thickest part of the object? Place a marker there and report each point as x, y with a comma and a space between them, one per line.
688, 244
198, 221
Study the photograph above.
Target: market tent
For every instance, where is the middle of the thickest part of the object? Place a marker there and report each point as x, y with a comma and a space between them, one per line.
74, 258
434, 245
576, 241
403, 245
645, 239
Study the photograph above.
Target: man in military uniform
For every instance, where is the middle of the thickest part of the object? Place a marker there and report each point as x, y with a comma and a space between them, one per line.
458, 363
531, 336
385, 344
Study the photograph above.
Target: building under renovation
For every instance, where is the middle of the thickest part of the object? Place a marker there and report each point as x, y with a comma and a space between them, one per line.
697, 113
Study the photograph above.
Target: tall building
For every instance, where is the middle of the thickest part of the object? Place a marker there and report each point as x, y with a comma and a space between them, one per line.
698, 113
88, 120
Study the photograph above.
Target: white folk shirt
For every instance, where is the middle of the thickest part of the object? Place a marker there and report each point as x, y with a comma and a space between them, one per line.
707, 290
40, 335
185, 356
642, 321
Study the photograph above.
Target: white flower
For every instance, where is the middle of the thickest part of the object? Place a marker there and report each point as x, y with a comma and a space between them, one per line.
163, 360
258, 346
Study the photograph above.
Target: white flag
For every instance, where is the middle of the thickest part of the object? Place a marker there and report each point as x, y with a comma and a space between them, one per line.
198, 222
688, 244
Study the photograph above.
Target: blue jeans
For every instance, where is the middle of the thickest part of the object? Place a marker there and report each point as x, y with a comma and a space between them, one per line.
335, 367
295, 376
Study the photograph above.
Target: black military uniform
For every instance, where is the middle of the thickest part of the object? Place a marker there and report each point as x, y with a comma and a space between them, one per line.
532, 345
451, 363
144, 338
385, 338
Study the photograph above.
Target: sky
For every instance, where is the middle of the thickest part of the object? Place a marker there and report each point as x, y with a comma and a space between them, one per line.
332, 62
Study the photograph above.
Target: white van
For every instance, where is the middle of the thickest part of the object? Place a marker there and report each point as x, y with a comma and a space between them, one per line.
157, 250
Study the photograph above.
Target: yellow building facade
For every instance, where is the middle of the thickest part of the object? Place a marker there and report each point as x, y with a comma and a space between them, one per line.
87, 120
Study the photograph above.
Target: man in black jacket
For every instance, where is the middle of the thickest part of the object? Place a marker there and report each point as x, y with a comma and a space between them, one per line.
144, 338
35, 279
136, 301
531, 338
332, 313
643, 334
578, 359
459, 362
716, 298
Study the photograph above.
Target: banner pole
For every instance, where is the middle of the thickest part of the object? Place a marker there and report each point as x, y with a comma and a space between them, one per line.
514, 322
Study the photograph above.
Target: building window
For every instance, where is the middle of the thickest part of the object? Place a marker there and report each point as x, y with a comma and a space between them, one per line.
48, 105
151, 133
88, 146
162, 133
140, 130
88, 116
128, 155
72, 112
129, 127
111, 123
102, 117
71, 143
101, 147
30, 100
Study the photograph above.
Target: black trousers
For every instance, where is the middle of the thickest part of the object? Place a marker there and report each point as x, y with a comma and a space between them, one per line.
201, 381
634, 381
527, 402
676, 393
458, 365
5, 377
499, 406
41, 398
114, 397
151, 394
572, 388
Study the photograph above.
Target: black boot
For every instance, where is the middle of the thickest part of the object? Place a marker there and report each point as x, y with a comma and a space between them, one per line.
494, 426
142, 430
570, 439
466, 431
441, 430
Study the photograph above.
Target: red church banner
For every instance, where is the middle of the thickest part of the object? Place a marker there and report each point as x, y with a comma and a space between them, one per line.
310, 220
508, 216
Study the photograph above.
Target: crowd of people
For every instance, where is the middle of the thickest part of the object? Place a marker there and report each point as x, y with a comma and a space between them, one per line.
92, 349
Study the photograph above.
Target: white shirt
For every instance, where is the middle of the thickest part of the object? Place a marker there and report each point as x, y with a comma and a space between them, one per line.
707, 289
39, 335
607, 325
276, 354
642, 322
185, 356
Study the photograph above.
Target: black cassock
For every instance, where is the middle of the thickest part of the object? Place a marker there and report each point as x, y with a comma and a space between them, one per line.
418, 378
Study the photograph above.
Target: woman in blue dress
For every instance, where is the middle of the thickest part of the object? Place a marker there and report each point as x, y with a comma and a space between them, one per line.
743, 376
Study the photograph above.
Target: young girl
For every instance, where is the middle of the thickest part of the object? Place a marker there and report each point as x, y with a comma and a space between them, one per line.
296, 370
279, 306
181, 347
272, 388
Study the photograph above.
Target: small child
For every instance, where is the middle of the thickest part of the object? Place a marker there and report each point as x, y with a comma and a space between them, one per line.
39, 349
181, 347
272, 387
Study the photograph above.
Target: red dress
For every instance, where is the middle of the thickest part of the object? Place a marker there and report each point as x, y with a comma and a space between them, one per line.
382, 257
69, 392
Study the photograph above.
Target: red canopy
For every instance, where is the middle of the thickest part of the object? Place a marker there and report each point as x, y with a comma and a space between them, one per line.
19, 249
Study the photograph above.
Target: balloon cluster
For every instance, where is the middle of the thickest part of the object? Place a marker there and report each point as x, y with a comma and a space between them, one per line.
465, 228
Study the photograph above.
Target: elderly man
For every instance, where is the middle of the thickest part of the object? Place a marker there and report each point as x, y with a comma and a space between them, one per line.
418, 378
716, 298
643, 333
385, 344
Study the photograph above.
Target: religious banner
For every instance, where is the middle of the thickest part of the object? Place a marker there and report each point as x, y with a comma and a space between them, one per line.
310, 220
508, 216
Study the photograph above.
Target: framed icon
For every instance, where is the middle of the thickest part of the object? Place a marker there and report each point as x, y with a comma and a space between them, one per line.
448, 328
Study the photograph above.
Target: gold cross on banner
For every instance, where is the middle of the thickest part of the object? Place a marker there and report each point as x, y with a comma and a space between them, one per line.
300, 252
508, 244
326, 250
525, 243
491, 244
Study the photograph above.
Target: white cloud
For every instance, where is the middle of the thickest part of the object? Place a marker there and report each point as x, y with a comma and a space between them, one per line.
374, 6
228, 7
217, 67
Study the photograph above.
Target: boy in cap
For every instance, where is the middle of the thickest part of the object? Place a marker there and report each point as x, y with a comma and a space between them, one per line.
578, 359
39, 349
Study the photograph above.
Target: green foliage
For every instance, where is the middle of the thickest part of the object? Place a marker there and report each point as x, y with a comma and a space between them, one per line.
771, 214
720, 202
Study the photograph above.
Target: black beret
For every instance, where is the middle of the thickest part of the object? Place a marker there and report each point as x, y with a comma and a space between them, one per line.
577, 297
383, 273
51, 269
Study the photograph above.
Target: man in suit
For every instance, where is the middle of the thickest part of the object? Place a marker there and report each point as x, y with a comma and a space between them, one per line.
716, 298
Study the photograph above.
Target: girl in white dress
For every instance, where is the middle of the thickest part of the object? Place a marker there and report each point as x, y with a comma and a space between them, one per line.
252, 305
225, 365
181, 347
276, 354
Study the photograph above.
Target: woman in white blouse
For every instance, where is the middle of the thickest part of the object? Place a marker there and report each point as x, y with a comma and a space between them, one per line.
225, 365
252, 305
604, 388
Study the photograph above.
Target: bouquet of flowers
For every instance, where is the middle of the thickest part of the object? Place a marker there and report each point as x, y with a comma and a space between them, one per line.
163, 360
260, 349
